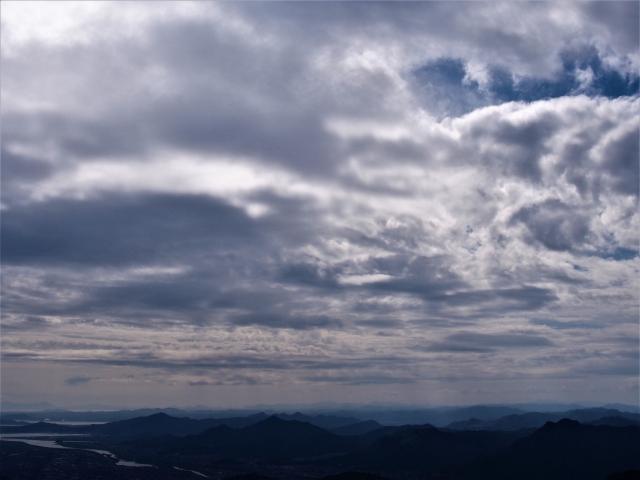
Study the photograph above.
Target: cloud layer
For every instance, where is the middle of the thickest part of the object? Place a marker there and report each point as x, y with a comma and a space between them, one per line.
412, 202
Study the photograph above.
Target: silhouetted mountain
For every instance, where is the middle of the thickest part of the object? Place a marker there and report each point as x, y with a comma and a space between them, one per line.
12, 423
565, 450
373, 435
327, 422
465, 424
154, 425
441, 417
437, 416
549, 406
509, 423
590, 414
151, 426
117, 415
161, 423
272, 437
537, 420
428, 449
273, 428
616, 421
15, 416
45, 427
359, 428
291, 449
622, 407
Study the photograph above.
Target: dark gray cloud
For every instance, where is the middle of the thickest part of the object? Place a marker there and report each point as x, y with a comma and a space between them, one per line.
558, 325
380, 323
121, 230
486, 342
22, 167
621, 162
309, 274
555, 225
618, 170
501, 339
227, 380
76, 135
520, 145
231, 364
360, 380
617, 19
286, 320
617, 369
519, 298
423, 275
78, 380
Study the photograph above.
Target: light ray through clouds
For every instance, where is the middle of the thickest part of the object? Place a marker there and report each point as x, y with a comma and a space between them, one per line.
240, 203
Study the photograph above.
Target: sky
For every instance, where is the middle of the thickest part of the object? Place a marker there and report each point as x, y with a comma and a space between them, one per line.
238, 203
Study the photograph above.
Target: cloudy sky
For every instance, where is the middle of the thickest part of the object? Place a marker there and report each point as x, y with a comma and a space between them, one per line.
238, 203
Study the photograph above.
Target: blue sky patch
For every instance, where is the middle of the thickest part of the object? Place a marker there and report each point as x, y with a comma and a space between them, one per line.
444, 89
619, 254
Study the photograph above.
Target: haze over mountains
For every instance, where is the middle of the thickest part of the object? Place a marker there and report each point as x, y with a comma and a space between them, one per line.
528, 445
341, 414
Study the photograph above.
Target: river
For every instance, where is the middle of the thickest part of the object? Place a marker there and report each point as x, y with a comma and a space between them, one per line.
28, 439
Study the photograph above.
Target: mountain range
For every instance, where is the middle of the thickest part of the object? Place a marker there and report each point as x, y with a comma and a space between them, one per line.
389, 415
288, 446
538, 419
563, 450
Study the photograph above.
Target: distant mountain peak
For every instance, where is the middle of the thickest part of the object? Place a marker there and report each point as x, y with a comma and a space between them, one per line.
274, 419
564, 423
159, 415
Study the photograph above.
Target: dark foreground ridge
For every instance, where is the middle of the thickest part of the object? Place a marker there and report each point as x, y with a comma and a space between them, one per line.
283, 447
566, 449
19, 461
